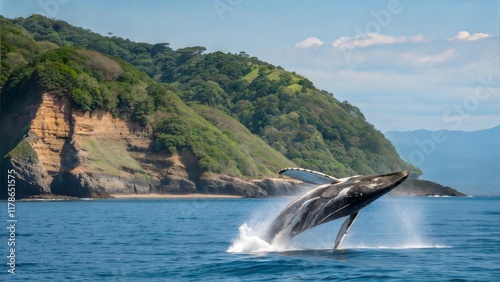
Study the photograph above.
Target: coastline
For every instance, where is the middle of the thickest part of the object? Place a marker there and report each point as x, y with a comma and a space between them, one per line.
173, 196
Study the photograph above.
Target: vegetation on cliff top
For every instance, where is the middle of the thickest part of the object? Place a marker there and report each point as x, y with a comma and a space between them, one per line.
224, 93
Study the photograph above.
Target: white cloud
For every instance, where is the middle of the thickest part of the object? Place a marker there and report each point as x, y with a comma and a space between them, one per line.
368, 39
419, 59
466, 36
417, 38
309, 42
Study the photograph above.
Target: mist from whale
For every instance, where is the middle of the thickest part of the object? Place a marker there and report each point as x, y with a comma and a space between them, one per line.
332, 199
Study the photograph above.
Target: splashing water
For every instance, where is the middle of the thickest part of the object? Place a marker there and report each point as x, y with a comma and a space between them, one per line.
388, 224
249, 243
393, 224
250, 239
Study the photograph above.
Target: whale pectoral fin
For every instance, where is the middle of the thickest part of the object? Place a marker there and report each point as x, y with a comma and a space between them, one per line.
309, 176
344, 229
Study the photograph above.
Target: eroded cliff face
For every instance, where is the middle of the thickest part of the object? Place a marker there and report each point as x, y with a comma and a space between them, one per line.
78, 153
93, 154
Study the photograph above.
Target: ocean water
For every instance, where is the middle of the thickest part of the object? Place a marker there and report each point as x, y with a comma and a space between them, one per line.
393, 239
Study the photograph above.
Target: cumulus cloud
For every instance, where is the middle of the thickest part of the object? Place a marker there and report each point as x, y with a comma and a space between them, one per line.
466, 36
309, 42
369, 39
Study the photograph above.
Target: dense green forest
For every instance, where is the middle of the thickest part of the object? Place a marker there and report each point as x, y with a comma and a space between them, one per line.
195, 100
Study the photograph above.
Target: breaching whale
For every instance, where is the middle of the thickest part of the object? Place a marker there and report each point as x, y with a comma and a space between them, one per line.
333, 199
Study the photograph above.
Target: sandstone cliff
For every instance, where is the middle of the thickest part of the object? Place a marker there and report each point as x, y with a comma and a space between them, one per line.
68, 152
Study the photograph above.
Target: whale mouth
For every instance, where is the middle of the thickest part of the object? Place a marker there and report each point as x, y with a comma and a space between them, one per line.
383, 185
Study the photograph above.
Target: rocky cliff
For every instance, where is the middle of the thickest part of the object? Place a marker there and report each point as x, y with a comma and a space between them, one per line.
64, 151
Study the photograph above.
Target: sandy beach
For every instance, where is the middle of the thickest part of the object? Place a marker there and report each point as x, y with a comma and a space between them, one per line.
171, 196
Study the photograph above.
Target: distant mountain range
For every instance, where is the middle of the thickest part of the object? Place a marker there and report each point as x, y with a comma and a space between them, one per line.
467, 161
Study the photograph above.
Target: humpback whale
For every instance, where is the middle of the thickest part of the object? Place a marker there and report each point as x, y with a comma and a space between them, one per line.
332, 199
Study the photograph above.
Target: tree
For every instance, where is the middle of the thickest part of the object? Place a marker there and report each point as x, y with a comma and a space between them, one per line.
160, 48
186, 54
243, 54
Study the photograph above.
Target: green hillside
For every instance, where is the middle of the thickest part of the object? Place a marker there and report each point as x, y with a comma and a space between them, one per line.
94, 81
152, 83
263, 156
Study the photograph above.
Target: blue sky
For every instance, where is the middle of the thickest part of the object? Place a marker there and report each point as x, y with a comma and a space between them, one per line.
406, 64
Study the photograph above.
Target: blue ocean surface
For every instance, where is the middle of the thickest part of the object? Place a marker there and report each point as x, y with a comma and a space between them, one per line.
393, 239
